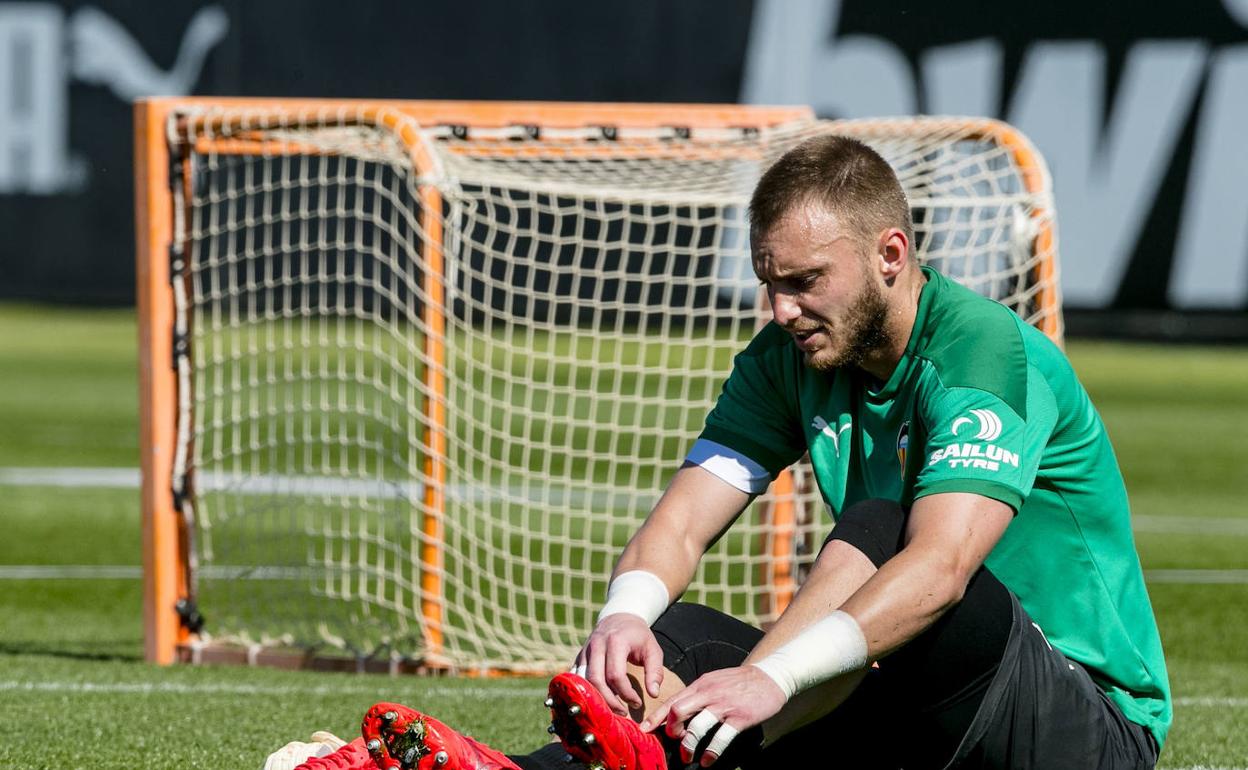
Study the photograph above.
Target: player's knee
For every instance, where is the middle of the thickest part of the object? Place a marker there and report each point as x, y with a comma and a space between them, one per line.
696, 639
685, 624
875, 527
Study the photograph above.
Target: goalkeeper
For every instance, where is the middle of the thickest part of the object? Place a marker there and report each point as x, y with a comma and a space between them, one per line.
979, 603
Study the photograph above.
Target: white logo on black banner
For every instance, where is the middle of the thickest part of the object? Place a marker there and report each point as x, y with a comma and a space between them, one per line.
41, 49
1113, 145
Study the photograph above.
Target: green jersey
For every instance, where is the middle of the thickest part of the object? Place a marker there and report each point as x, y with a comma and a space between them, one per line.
980, 402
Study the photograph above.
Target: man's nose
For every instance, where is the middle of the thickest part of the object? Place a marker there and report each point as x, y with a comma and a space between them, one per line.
784, 309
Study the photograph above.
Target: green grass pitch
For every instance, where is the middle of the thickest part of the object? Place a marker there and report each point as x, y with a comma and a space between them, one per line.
74, 691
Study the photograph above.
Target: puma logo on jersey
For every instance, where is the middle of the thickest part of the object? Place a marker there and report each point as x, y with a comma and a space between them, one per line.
989, 458
989, 424
823, 427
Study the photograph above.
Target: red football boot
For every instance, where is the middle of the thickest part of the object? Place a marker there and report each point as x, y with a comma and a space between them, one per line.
399, 738
593, 733
352, 756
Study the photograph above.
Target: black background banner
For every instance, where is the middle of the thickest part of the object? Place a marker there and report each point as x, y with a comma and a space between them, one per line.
66, 200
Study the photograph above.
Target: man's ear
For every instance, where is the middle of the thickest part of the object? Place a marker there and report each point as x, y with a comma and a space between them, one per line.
893, 248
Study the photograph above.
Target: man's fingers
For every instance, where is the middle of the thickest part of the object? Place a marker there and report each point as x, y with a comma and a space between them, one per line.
719, 742
617, 674
701, 724
596, 677
593, 660
685, 705
653, 665
656, 718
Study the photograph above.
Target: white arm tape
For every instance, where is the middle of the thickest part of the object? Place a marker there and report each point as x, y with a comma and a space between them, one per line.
639, 593
825, 650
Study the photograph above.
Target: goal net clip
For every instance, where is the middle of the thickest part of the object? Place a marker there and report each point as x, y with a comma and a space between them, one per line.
189, 615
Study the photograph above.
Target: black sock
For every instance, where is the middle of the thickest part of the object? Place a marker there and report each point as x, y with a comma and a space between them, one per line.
549, 757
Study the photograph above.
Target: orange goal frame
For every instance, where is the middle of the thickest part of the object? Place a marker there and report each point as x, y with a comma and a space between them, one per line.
160, 129
165, 542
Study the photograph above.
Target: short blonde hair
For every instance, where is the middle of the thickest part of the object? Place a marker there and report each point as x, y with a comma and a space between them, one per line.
846, 176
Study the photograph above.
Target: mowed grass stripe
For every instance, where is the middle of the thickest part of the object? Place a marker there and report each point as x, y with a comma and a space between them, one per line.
580, 495
128, 572
382, 685
129, 478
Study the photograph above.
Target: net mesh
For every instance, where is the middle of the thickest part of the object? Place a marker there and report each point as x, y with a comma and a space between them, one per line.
436, 377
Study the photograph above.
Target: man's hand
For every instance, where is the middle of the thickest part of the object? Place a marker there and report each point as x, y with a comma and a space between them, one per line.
618, 640
736, 699
696, 506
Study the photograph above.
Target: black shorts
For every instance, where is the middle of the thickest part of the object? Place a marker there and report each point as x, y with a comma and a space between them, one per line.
1044, 711
1036, 709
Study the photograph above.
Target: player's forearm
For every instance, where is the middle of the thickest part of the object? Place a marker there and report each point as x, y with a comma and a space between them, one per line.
694, 509
894, 605
669, 544
948, 537
904, 598
837, 574
814, 643
655, 568
651, 550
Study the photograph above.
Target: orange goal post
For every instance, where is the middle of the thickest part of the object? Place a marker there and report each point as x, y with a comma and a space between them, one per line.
412, 372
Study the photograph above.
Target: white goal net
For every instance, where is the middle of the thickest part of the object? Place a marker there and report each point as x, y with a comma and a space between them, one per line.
435, 376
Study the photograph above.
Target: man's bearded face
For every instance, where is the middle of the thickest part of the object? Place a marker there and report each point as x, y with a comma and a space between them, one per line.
822, 292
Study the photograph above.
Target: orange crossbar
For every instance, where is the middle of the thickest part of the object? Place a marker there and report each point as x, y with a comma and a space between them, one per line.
504, 114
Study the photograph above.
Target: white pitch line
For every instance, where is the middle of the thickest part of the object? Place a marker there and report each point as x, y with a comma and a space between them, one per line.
127, 572
1197, 576
230, 572
69, 572
1212, 702
97, 478
584, 496
382, 686
1187, 525
558, 495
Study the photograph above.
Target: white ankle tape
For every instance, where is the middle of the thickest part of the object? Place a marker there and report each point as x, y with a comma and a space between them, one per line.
827, 649
636, 592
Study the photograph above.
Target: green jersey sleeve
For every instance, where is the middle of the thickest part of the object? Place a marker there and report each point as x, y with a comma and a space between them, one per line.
977, 443
757, 413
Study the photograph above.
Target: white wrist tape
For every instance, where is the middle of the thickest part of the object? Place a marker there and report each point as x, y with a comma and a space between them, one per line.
639, 593
825, 650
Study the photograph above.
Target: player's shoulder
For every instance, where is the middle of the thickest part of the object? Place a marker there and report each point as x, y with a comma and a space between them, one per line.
970, 341
770, 357
770, 341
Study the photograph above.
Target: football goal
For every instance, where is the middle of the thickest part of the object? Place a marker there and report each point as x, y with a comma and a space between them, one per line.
413, 372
